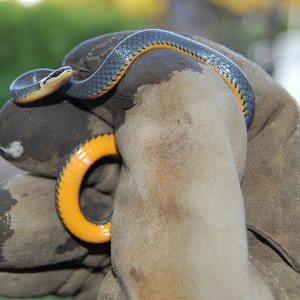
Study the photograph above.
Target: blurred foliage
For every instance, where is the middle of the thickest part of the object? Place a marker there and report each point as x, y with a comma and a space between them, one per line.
149, 9
250, 6
41, 35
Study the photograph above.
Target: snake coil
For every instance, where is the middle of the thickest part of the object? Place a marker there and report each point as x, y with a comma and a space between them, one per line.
39, 83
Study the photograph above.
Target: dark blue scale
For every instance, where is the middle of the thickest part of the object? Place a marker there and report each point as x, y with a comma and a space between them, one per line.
122, 55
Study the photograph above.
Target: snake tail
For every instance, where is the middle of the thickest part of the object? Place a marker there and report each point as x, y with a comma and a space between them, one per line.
68, 189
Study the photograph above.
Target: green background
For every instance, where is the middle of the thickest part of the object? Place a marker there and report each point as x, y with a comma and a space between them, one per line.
41, 35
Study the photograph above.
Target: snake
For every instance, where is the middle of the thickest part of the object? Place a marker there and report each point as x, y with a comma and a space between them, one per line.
39, 83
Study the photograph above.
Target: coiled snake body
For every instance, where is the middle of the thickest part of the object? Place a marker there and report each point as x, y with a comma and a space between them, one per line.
37, 84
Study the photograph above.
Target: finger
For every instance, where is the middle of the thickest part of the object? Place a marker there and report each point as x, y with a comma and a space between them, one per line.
32, 283
81, 283
31, 233
38, 138
181, 130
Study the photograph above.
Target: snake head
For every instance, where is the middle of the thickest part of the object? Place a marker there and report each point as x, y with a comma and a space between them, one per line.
58, 77
39, 83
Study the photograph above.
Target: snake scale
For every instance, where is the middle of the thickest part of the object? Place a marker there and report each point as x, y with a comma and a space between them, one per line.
39, 83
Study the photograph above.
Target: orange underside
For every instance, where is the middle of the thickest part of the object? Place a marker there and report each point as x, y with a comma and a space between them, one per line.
88, 154
165, 46
69, 189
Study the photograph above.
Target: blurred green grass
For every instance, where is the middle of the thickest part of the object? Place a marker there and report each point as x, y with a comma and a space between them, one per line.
41, 35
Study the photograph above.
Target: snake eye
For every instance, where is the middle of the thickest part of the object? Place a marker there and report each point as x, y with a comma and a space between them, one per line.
56, 73
53, 75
